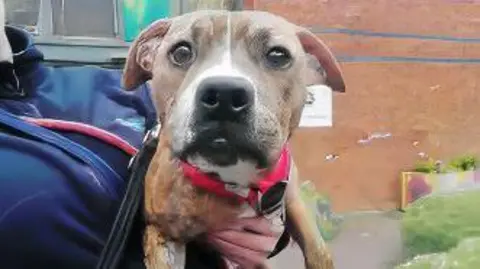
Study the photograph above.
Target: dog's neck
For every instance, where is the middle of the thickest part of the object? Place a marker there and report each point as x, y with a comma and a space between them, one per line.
241, 173
262, 181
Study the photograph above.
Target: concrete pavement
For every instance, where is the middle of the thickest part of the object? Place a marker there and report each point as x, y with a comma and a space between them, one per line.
365, 241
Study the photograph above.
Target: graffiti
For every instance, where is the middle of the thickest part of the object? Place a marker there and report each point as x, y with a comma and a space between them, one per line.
319, 207
331, 157
374, 136
416, 185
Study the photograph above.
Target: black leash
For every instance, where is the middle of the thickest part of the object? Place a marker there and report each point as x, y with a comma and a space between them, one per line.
113, 251
10, 87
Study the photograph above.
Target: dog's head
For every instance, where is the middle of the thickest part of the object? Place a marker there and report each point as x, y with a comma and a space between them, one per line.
229, 86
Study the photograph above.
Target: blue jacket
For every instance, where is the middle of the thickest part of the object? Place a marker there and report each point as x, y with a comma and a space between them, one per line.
56, 209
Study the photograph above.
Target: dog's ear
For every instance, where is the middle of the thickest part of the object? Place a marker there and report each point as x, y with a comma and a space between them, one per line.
141, 55
314, 46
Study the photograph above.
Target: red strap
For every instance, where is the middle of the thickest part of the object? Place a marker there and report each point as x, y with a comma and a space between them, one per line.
85, 129
207, 182
214, 185
279, 173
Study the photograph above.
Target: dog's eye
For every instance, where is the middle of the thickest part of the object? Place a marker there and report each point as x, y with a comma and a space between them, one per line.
278, 58
182, 54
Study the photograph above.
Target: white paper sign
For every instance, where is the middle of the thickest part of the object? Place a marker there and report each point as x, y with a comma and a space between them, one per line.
318, 108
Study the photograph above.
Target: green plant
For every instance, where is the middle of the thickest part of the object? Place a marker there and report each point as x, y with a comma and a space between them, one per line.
463, 256
463, 163
428, 261
437, 223
319, 206
459, 164
429, 166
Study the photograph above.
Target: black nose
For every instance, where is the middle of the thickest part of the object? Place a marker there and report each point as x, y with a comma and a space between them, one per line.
225, 98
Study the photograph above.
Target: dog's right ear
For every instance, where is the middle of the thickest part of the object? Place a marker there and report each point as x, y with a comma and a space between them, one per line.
317, 48
141, 55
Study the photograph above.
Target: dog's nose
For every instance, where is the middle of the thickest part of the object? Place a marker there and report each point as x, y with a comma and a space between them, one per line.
225, 98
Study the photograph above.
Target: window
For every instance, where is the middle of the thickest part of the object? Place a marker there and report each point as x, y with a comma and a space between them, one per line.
95, 30
85, 18
92, 18
23, 12
191, 5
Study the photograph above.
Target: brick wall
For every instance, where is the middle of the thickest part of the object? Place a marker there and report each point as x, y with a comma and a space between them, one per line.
427, 106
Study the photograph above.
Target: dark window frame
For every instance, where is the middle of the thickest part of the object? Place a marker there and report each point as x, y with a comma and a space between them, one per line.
109, 51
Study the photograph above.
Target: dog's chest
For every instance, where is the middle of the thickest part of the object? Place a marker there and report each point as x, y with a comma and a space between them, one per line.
182, 211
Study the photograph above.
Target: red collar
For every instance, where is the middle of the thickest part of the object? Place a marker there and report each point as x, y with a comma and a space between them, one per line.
207, 182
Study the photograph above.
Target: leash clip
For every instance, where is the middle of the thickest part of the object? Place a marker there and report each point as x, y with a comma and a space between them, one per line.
149, 140
152, 134
131, 162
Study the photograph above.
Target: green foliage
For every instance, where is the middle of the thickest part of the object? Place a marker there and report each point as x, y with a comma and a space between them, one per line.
463, 163
428, 167
320, 209
428, 261
459, 164
437, 223
464, 256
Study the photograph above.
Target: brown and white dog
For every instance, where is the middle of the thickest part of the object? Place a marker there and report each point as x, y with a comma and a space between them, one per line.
229, 89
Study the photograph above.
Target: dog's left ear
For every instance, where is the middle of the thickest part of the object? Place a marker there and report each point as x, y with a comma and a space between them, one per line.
314, 46
141, 55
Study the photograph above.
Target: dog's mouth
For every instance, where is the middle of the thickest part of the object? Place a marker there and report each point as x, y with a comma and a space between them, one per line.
225, 144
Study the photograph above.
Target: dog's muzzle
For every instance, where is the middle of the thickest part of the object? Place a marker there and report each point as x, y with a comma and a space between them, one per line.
223, 122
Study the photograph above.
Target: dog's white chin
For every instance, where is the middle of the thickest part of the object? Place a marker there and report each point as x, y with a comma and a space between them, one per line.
242, 173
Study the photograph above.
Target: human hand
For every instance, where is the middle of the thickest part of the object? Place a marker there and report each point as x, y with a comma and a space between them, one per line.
247, 241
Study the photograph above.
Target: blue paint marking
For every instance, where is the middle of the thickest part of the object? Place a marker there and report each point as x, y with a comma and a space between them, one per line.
390, 59
321, 30
393, 59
